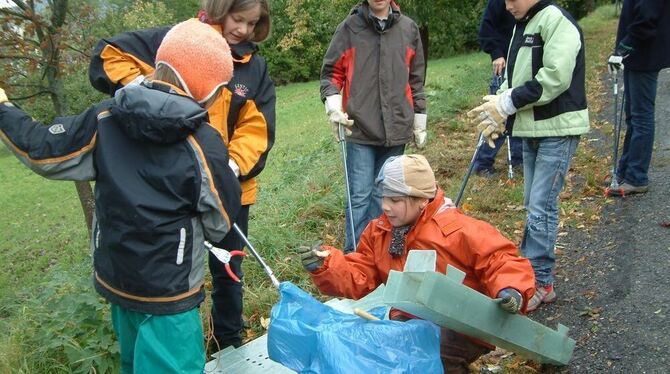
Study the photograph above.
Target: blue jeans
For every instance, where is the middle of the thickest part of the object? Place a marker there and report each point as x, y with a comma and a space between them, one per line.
545, 164
487, 155
363, 164
639, 106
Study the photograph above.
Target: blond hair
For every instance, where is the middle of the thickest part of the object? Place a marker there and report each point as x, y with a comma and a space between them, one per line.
217, 10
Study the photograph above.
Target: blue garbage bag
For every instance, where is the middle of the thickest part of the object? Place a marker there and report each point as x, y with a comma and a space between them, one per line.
308, 336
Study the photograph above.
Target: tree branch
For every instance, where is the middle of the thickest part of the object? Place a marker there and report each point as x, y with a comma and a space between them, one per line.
30, 96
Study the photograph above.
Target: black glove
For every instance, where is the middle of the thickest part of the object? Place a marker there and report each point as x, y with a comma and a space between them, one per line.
312, 257
510, 300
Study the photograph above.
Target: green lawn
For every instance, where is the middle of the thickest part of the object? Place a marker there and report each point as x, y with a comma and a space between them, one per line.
43, 239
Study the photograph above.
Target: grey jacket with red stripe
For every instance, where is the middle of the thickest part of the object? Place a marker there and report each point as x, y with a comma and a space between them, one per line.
380, 74
163, 186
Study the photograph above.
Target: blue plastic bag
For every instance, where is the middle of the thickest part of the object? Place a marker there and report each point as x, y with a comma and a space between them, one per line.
310, 337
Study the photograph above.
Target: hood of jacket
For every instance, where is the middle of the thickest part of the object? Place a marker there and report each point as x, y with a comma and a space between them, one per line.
155, 112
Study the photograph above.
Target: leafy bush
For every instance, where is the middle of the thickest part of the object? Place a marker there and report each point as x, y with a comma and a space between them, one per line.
65, 326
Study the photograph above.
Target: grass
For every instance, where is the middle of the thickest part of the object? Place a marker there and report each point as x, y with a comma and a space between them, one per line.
44, 248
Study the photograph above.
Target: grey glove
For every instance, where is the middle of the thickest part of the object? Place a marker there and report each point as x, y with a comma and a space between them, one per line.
510, 300
312, 257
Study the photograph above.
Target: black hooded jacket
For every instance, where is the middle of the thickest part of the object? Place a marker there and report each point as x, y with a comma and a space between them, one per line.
163, 186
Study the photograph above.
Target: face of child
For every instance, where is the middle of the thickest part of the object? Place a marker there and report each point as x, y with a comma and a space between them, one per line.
379, 7
403, 210
519, 8
238, 27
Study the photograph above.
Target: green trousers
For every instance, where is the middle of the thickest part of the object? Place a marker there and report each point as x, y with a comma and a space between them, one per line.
159, 343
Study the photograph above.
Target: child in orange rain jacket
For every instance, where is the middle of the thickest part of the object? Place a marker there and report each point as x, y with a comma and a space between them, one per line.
418, 216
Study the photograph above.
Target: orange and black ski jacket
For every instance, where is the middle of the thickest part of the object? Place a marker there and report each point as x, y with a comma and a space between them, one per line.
244, 114
489, 260
379, 73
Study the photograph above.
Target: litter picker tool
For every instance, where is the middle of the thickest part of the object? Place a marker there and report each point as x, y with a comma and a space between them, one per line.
343, 146
614, 67
496, 81
470, 169
225, 256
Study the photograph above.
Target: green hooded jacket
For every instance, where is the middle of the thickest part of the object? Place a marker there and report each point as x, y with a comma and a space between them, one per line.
546, 70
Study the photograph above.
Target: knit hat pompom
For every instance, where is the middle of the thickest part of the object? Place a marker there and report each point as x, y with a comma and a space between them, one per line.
407, 175
199, 56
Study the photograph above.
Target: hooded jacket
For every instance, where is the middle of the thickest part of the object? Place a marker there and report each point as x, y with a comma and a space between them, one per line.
162, 187
645, 26
244, 113
546, 69
489, 260
379, 73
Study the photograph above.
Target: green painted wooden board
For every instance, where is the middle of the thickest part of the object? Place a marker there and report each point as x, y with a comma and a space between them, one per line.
444, 300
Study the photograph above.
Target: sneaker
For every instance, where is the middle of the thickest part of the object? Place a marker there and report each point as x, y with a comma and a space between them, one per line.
543, 294
489, 172
626, 189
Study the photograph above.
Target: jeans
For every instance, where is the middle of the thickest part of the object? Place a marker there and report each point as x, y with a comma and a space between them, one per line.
487, 155
226, 292
639, 106
545, 164
364, 163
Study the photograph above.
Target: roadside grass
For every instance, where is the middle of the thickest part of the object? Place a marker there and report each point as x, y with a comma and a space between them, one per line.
44, 244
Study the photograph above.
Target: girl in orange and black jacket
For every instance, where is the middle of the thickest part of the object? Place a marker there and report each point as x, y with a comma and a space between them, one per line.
244, 114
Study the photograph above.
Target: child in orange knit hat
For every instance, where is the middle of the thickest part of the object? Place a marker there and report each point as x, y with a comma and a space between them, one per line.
244, 114
163, 186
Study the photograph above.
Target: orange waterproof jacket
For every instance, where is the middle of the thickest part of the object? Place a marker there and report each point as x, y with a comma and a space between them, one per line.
489, 260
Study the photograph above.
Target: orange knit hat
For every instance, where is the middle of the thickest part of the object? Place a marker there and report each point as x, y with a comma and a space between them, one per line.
199, 56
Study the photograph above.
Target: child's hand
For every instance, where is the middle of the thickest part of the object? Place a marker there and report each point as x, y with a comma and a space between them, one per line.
3, 96
312, 258
509, 300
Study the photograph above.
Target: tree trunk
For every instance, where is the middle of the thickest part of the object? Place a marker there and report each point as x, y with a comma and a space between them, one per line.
57, 89
423, 31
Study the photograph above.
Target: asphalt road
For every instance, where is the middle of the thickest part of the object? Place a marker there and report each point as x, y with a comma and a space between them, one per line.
613, 281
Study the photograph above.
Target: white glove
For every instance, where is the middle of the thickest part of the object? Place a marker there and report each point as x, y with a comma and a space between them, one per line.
420, 133
337, 117
234, 167
3, 96
615, 63
491, 116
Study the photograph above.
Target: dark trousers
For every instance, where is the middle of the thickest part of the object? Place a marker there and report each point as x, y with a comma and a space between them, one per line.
226, 292
638, 144
487, 155
457, 352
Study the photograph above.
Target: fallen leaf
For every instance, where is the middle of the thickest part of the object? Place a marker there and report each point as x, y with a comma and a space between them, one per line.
658, 311
665, 224
265, 322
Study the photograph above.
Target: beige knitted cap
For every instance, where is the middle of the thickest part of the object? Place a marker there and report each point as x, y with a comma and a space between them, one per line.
407, 175
199, 56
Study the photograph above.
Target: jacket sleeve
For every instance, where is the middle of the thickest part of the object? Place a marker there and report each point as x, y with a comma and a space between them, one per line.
417, 66
644, 23
218, 201
495, 260
118, 60
562, 43
336, 64
353, 275
63, 150
255, 130
491, 40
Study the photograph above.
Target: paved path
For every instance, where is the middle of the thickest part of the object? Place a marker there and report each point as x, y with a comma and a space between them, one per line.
614, 281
